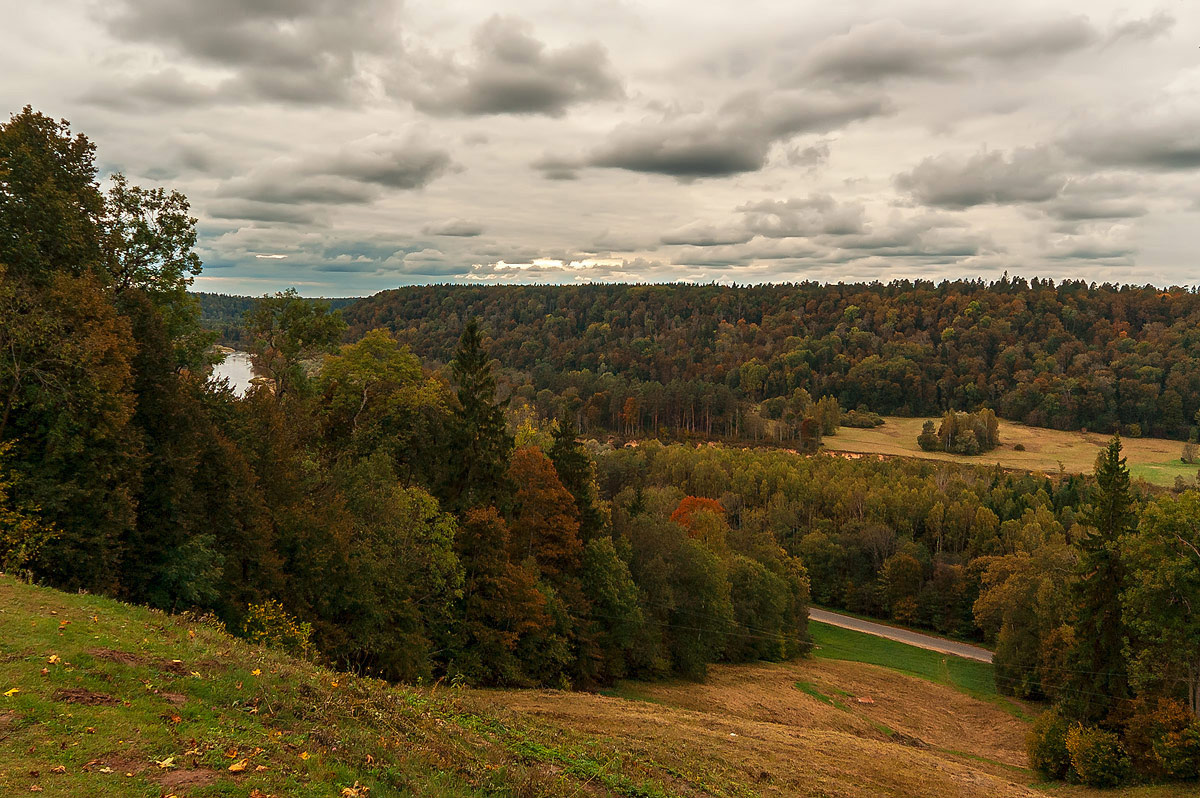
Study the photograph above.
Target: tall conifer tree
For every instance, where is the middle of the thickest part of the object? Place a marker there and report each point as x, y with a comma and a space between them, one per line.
1097, 676
481, 445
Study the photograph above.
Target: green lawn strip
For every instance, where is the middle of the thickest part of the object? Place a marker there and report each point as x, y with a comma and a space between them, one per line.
971, 677
811, 689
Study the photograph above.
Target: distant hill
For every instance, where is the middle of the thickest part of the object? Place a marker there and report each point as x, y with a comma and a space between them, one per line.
646, 357
224, 313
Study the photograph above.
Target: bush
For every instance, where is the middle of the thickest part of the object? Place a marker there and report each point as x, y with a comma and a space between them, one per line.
1097, 756
1020, 447
269, 624
1046, 745
862, 419
1163, 739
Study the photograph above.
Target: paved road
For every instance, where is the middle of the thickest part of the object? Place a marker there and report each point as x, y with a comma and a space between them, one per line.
902, 635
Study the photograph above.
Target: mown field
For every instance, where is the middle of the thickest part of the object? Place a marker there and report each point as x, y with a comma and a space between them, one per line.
1154, 459
99, 698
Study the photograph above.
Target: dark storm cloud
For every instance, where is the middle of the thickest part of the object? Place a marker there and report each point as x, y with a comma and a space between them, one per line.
817, 214
511, 72
461, 228
1163, 145
986, 178
393, 164
300, 51
885, 49
736, 139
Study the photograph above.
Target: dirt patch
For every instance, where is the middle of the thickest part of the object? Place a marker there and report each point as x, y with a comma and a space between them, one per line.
186, 778
79, 695
135, 660
173, 698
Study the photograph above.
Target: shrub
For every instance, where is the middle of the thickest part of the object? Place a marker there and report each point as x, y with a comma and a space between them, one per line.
1046, 745
269, 624
862, 419
1163, 739
1020, 447
1097, 756
1134, 430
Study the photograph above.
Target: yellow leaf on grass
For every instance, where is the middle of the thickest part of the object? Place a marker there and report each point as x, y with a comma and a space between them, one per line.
304, 754
256, 672
169, 762
12, 692
54, 659
239, 766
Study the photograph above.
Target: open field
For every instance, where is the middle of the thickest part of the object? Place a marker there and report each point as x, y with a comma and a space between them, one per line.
1154, 459
98, 698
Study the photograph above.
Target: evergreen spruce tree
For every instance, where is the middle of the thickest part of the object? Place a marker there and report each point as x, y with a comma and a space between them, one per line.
1097, 673
481, 445
574, 467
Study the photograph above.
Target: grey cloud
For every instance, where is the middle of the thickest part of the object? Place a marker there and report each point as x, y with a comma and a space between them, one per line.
285, 50
1158, 24
702, 234
885, 49
511, 73
985, 178
1164, 145
454, 227
557, 168
261, 212
354, 175
816, 214
737, 139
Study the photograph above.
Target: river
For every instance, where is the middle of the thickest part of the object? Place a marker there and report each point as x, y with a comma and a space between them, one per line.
235, 368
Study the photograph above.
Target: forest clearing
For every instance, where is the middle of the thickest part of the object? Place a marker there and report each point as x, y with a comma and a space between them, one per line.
1154, 459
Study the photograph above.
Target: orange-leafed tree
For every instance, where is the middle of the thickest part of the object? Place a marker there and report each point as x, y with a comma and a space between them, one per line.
685, 513
545, 522
704, 520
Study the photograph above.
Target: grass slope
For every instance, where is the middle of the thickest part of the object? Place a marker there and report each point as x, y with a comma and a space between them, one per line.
1154, 459
101, 699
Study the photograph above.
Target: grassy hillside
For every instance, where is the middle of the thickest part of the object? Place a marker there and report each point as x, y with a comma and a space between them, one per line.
99, 698
1154, 459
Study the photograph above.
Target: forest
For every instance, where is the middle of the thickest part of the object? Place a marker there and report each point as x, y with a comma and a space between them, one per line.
710, 360
397, 496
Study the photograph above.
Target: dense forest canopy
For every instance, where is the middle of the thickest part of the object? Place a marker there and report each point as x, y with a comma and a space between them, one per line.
1066, 355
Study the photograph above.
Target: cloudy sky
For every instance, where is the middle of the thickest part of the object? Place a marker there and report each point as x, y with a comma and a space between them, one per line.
346, 146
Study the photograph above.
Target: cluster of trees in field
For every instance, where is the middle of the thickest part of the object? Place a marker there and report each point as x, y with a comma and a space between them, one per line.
701, 359
1088, 590
962, 433
354, 500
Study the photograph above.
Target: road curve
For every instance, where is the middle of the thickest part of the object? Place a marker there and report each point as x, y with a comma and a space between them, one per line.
902, 635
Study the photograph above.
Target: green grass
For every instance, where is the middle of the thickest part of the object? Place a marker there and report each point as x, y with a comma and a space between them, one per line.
976, 679
101, 698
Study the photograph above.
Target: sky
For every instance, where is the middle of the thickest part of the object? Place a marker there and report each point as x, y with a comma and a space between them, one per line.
342, 147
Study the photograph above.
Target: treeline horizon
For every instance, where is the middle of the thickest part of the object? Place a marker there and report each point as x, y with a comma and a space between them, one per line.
709, 360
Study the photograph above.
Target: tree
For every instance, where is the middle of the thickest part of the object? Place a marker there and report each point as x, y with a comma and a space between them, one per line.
479, 442
1161, 598
544, 526
50, 205
286, 331
1098, 677
578, 475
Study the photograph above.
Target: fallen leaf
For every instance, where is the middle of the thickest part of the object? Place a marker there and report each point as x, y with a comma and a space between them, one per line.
45, 671
333, 684
54, 659
169, 762
90, 730
58, 769
197, 674
35, 788
12, 692
304, 754
239, 766
256, 672
357, 791
231, 752
106, 769
261, 768
176, 719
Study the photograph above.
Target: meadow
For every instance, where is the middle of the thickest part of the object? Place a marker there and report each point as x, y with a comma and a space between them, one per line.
1155, 460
